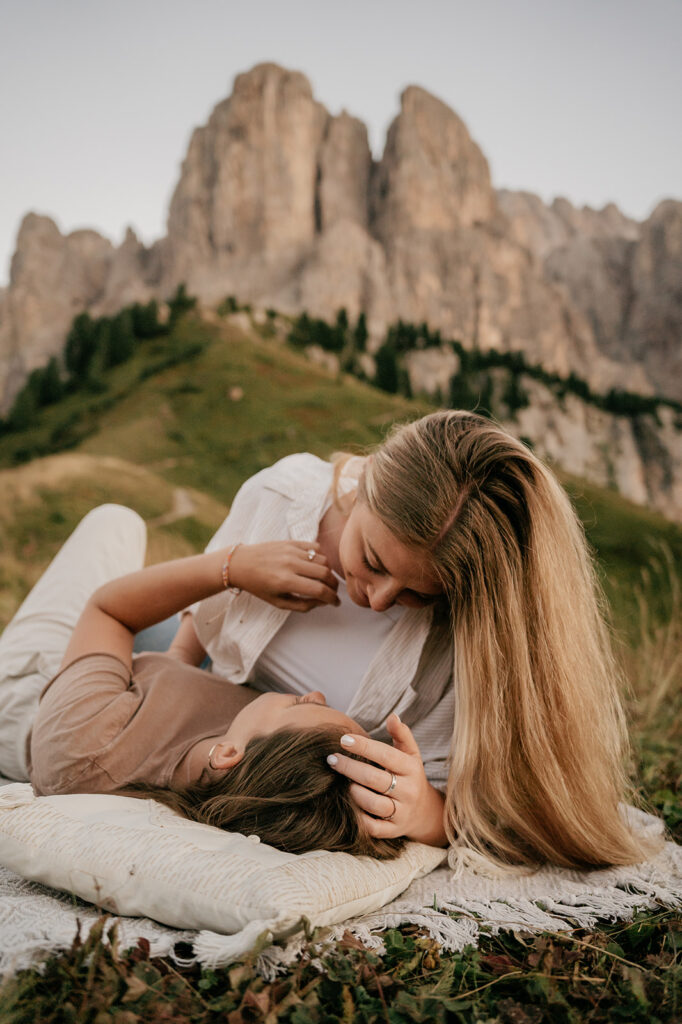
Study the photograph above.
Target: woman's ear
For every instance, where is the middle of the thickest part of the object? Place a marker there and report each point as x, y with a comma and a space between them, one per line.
224, 756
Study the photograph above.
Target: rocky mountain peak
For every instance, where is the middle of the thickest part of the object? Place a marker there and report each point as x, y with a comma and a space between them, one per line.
247, 186
52, 277
432, 176
280, 204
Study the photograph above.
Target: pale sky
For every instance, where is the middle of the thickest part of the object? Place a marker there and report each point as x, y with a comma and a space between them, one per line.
579, 98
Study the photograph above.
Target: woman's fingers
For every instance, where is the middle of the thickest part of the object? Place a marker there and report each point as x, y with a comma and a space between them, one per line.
377, 779
373, 803
313, 579
315, 571
312, 590
383, 754
307, 545
380, 829
297, 604
402, 737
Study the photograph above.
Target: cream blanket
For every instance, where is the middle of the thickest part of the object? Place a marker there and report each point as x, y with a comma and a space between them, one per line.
455, 910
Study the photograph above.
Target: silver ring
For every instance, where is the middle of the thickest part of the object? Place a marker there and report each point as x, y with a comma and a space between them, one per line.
391, 786
311, 552
389, 817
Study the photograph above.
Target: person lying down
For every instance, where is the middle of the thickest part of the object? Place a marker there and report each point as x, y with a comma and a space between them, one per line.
152, 726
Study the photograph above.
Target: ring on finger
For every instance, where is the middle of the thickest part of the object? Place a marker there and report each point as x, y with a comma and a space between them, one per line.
391, 785
311, 554
389, 817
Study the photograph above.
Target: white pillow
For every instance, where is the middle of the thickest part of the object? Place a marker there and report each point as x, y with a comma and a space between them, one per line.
138, 858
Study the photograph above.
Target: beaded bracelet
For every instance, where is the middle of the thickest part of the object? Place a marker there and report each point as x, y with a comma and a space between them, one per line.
226, 569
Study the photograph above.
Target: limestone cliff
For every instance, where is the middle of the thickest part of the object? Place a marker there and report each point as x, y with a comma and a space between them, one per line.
623, 278
244, 211
52, 278
281, 204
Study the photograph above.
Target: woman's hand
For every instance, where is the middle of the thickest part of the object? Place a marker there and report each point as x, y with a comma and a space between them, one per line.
413, 807
290, 574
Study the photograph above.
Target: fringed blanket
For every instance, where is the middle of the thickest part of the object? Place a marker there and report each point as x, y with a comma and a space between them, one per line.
454, 909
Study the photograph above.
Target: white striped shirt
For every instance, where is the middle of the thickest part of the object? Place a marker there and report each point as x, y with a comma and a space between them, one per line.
411, 673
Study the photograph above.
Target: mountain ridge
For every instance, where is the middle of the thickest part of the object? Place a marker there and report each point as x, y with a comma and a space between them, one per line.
281, 203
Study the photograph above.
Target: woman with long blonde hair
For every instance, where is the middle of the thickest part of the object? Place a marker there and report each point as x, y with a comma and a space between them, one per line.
462, 628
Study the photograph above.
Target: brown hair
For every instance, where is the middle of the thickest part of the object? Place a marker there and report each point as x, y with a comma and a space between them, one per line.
538, 743
283, 791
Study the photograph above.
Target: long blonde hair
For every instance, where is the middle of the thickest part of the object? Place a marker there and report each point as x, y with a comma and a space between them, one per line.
539, 739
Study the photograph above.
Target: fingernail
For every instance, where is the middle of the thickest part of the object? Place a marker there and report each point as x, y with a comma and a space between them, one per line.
398, 717
347, 741
332, 760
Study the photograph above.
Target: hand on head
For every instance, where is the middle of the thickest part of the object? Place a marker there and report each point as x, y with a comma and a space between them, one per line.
281, 788
392, 793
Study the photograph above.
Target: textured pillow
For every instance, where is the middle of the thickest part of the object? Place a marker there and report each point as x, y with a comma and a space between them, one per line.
139, 858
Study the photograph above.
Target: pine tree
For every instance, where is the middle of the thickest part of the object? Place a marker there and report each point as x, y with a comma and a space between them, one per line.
120, 344
81, 344
386, 376
360, 334
51, 385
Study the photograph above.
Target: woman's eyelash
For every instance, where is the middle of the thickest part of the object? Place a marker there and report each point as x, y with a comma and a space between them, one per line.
368, 565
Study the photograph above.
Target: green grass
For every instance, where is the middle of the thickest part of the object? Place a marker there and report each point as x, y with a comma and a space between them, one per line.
622, 973
166, 421
181, 423
630, 543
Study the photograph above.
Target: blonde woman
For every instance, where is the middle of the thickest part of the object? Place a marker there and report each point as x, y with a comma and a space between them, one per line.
461, 629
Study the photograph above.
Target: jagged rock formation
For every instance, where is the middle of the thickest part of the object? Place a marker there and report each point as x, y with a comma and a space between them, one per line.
624, 278
653, 329
281, 204
52, 278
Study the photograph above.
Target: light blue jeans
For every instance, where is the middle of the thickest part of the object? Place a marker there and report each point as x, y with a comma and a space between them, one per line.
158, 637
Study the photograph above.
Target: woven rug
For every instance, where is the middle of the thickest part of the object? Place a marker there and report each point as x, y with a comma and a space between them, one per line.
454, 909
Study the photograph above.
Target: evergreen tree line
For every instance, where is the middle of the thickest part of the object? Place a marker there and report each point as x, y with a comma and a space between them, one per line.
472, 386
93, 345
344, 340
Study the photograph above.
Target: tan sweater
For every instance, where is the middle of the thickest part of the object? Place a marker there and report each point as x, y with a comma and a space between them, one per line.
100, 726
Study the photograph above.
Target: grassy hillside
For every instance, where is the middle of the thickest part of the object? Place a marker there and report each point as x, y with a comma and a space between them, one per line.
209, 406
176, 431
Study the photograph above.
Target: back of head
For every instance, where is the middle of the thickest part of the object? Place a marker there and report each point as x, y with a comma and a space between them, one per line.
538, 737
284, 791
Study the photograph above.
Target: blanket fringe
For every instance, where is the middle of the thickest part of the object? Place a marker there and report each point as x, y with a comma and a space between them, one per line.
452, 909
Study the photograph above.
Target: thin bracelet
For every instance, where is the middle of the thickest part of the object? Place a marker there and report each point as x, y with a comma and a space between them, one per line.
226, 570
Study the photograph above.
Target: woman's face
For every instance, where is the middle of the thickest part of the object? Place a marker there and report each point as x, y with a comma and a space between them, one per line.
274, 711
380, 570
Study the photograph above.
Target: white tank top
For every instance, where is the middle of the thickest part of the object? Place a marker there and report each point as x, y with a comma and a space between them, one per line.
328, 649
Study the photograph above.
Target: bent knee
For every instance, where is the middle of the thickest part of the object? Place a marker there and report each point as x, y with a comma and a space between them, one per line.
116, 521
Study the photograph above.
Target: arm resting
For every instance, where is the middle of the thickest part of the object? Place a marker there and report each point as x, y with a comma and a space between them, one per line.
131, 603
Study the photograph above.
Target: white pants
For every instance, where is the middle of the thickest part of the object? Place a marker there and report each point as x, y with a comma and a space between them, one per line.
109, 542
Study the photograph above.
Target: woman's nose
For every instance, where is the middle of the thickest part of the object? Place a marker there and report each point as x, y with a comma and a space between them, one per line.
382, 595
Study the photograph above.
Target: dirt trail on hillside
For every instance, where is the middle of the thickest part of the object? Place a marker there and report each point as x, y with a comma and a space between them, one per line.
183, 506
